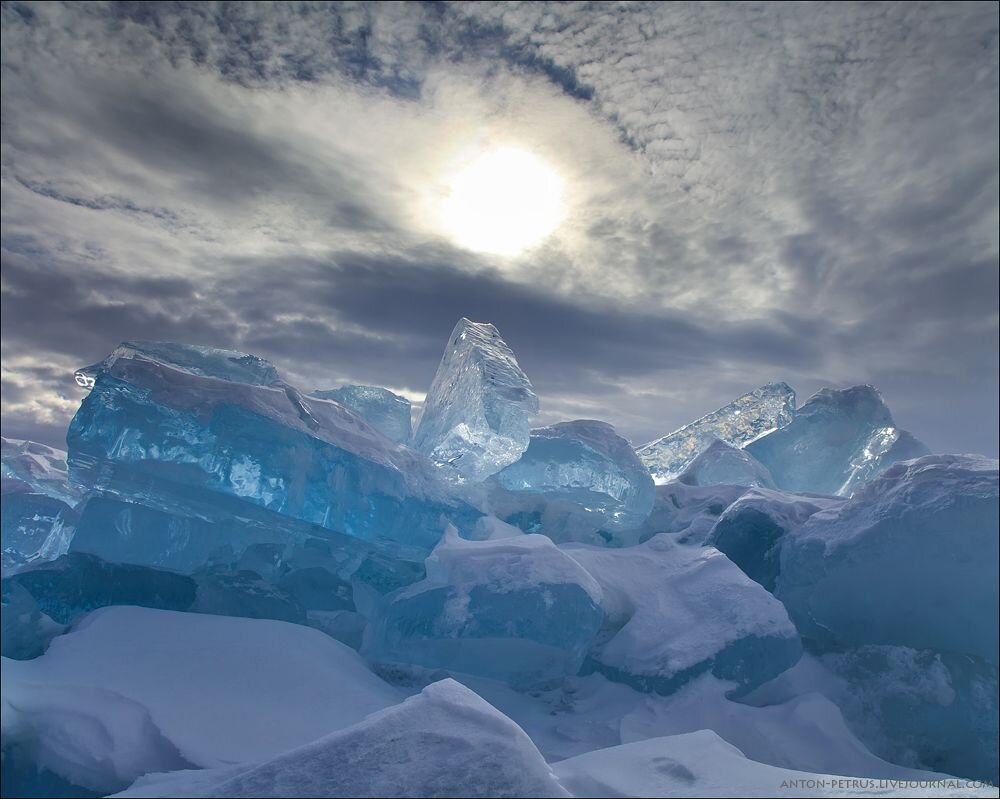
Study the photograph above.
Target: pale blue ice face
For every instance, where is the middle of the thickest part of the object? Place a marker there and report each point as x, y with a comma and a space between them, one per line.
837, 441
387, 412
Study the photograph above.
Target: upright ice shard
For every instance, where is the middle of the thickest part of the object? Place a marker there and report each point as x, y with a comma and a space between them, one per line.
178, 433
722, 464
581, 466
742, 421
475, 419
838, 441
387, 412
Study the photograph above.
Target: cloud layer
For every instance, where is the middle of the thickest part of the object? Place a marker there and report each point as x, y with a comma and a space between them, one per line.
784, 191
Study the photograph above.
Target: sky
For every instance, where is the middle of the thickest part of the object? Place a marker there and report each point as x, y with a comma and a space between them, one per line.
750, 192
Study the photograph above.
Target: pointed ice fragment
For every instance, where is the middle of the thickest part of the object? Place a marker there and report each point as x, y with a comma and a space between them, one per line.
743, 420
387, 412
475, 417
838, 441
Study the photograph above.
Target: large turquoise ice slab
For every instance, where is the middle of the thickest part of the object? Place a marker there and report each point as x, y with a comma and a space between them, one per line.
150, 427
387, 412
476, 415
743, 420
838, 441
910, 560
514, 609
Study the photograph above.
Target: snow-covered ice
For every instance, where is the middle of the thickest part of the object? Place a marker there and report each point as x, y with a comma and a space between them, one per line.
194, 689
672, 613
517, 609
445, 741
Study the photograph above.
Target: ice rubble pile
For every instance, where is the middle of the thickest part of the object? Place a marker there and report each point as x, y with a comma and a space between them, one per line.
219, 553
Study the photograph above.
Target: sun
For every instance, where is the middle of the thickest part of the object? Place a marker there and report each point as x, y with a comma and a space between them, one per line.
505, 202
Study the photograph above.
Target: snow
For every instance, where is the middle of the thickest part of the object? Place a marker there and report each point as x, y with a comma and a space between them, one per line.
446, 741
703, 764
475, 418
204, 690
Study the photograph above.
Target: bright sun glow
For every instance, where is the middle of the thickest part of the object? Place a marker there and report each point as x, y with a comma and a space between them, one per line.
504, 203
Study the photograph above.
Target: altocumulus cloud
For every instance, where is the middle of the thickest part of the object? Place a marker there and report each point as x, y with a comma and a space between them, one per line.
755, 192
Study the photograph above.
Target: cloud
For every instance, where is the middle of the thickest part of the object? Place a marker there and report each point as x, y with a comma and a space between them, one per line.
755, 193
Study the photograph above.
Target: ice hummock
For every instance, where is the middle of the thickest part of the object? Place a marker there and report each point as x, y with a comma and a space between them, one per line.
387, 412
582, 464
475, 418
838, 441
910, 560
673, 613
514, 609
722, 464
742, 421
751, 530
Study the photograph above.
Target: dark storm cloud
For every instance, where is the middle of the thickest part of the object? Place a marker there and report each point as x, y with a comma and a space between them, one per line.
817, 203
